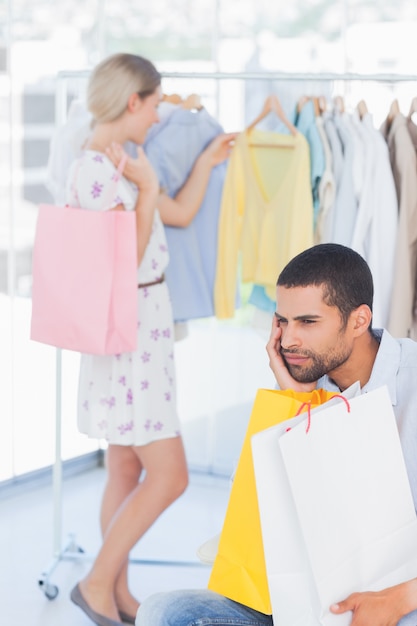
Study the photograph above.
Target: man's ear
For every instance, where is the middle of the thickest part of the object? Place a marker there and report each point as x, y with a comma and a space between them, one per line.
361, 319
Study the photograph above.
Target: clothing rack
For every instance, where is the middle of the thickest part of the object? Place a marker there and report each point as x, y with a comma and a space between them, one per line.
70, 550
283, 76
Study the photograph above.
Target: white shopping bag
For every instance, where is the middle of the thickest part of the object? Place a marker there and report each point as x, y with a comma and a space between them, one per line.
336, 509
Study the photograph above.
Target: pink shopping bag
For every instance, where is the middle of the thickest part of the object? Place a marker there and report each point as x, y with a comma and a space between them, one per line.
84, 294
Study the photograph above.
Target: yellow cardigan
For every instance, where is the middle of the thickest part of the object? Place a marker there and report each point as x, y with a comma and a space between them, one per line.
266, 213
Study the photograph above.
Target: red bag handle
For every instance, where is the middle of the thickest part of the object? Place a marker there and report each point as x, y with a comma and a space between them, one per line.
308, 405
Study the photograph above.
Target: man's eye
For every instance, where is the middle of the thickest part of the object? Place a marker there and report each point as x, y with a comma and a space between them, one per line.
309, 321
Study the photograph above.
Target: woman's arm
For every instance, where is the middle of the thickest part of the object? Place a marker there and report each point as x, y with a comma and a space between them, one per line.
141, 173
179, 211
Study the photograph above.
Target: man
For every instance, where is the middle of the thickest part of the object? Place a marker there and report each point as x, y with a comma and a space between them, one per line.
322, 337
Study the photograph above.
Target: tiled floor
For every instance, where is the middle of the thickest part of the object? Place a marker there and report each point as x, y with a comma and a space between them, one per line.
26, 546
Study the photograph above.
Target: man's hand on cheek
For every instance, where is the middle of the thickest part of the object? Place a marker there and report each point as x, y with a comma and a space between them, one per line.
278, 365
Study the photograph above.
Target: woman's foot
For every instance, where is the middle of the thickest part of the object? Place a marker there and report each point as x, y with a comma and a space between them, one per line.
126, 618
127, 606
99, 599
99, 619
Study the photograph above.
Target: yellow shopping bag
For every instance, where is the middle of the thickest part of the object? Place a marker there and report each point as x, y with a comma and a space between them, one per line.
239, 570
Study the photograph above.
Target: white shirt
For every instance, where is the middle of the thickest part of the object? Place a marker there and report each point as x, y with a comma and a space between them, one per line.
375, 235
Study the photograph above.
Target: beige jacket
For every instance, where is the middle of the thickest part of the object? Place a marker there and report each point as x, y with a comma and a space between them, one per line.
404, 165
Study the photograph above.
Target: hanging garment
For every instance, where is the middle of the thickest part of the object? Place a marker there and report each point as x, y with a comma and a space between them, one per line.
327, 186
266, 213
404, 166
412, 129
259, 298
338, 161
305, 122
359, 163
345, 208
66, 146
365, 192
172, 147
375, 234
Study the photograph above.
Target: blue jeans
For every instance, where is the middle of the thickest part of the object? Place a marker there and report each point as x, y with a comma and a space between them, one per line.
197, 608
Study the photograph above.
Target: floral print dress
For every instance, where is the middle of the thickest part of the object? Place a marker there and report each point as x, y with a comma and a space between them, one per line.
128, 399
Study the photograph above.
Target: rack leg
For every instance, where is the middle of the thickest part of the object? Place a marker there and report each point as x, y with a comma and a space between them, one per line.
70, 551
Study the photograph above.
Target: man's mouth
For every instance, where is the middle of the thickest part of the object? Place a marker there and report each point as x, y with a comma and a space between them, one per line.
294, 359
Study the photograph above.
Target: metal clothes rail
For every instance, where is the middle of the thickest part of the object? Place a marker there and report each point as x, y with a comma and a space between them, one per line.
283, 76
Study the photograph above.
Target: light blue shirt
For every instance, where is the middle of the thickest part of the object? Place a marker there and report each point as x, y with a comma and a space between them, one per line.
172, 148
305, 122
259, 298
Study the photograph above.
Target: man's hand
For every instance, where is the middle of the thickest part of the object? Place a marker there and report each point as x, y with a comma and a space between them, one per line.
277, 363
380, 608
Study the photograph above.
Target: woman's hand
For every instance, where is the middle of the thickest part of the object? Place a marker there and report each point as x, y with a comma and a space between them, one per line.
139, 171
219, 148
181, 210
277, 363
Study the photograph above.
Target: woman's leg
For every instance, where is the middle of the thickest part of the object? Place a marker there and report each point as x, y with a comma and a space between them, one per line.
194, 607
165, 480
123, 472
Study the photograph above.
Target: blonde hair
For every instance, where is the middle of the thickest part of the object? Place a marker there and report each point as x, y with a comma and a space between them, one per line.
114, 80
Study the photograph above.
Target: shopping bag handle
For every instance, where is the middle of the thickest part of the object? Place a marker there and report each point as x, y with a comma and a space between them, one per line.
345, 400
120, 168
115, 178
308, 405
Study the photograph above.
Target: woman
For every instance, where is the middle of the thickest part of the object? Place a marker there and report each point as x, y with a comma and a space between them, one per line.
129, 399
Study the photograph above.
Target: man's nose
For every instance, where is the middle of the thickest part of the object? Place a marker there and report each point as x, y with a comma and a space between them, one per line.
289, 338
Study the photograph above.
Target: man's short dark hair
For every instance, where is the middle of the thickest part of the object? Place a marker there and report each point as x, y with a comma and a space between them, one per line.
344, 275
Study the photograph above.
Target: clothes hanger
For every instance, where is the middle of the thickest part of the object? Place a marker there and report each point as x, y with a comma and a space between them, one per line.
362, 108
173, 98
322, 104
393, 111
317, 110
302, 101
272, 105
193, 101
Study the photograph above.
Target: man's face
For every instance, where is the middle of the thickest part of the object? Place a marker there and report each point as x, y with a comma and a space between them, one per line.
314, 340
